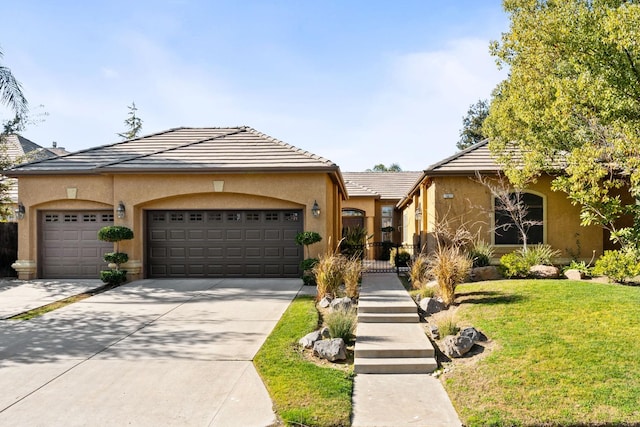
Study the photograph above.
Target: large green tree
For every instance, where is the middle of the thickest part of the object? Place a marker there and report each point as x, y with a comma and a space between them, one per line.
571, 103
471, 132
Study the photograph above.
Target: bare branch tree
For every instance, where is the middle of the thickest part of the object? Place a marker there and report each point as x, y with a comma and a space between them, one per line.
509, 203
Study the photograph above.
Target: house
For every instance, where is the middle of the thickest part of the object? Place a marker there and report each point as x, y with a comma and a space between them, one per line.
373, 197
20, 149
449, 195
202, 202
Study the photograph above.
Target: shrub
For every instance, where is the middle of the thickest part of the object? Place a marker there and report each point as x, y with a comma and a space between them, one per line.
353, 242
116, 257
581, 266
329, 274
450, 266
619, 266
307, 238
352, 274
308, 264
513, 265
539, 254
113, 277
115, 233
419, 271
399, 257
481, 254
342, 323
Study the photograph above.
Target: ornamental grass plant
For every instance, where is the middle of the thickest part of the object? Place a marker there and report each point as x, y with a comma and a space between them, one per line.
450, 266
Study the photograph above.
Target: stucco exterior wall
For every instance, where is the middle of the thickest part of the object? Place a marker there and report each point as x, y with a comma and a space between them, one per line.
140, 192
460, 200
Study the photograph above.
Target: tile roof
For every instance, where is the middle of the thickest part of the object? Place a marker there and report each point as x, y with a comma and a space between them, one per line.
184, 149
21, 149
384, 185
476, 158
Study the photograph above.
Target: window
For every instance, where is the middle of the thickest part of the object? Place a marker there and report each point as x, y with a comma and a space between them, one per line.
507, 233
387, 223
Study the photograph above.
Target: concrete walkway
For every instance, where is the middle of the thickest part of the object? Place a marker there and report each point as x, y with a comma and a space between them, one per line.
18, 296
397, 400
149, 353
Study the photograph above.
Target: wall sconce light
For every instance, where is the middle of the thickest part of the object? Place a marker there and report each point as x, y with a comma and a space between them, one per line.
121, 210
20, 211
418, 214
315, 210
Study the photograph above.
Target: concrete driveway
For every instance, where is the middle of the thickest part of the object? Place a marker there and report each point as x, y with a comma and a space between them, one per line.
150, 353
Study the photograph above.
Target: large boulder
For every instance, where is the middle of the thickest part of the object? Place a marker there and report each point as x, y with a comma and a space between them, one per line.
325, 302
431, 305
310, 339
456, 346
574, 274
474, 334
341, 303
544, 272
489, 272
332, 350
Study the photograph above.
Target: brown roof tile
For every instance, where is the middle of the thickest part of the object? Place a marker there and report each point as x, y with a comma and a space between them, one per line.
385, 185
183, 149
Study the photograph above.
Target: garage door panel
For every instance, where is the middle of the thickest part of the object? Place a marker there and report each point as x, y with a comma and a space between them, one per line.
272, 234
176, 252
223, 243
253, 235
177, 235
69, 245
233, 235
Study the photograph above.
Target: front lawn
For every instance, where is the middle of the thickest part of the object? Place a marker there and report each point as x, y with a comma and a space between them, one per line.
563, 353
302, 392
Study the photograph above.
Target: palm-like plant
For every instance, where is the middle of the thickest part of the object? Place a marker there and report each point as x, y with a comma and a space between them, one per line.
11, 92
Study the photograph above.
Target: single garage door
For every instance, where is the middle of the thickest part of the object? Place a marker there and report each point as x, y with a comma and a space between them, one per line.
69, 244
223, 243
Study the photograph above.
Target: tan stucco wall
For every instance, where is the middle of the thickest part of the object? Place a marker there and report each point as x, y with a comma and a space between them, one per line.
472, 205
179, 191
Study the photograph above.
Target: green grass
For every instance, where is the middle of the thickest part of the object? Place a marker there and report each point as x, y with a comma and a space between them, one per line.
303, 393
566, 353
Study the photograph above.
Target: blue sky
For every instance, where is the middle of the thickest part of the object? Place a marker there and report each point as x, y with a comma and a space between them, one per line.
358, 82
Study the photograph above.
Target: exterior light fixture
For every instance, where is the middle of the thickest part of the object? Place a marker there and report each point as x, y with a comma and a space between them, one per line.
20, 211
418, 214
315, 210
121, 210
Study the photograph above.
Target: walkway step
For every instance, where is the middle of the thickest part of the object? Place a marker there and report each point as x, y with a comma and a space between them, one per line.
406, 365
372, 305
388, 317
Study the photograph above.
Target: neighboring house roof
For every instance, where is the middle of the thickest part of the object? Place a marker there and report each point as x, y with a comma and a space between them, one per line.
22, 150
228, 149
383, 185
476, 158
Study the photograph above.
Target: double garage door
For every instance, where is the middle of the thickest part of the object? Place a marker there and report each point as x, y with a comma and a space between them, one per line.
223, 243
220, 243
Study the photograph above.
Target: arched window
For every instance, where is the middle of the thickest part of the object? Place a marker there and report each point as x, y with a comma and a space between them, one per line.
352, 218
523, 213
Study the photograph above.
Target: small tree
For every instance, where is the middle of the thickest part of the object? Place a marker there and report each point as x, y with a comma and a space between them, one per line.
133, 124
115, 234
307, 238
509, 202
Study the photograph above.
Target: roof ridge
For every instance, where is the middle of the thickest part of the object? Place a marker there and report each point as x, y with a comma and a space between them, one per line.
458, 154
187, 144
284, 144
